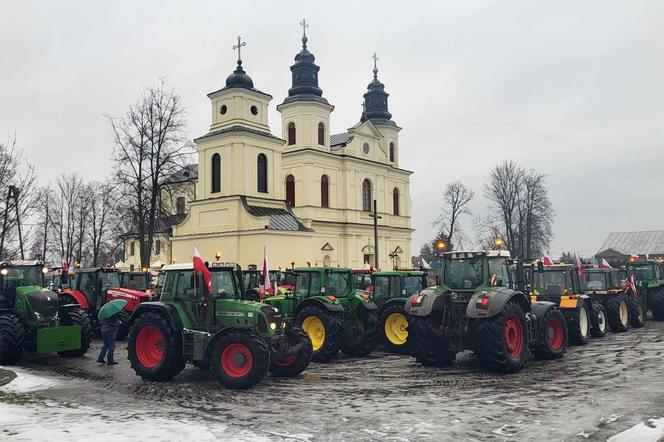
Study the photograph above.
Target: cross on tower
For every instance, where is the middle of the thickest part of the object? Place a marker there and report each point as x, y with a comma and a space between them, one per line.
304, 25
375, 59
238, 46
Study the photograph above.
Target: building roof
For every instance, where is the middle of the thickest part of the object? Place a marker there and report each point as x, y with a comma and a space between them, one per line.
187, 173
338, 141
649, 242
238, 128
280, 218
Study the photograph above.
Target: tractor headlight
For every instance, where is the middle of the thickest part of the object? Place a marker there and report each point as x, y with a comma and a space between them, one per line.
38, 316
273, 325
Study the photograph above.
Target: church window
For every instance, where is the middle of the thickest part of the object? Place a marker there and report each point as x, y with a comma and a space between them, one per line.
254, 110
132, 248
180, 205
290, 190
223, 109
395, 201
366, 195
392, 152
216, 173
324, 191
291, 133
157, 247
321, 134
365, 148
261, 163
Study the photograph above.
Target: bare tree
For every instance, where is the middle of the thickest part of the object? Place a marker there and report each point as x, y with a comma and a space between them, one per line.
150, 144
457, 197
69, 198
102, 208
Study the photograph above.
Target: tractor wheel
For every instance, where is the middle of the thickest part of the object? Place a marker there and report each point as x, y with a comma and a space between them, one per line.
12, 338
76, 316
365, 343
123, 326
637, 313
154, 348
551, 335
295, 363
425, 346
617, 312
240, 360
393, 326
324, 329
598, 321
502, 340
656, 304
578, 325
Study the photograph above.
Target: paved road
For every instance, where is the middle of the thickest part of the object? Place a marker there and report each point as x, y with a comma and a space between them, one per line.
596, 391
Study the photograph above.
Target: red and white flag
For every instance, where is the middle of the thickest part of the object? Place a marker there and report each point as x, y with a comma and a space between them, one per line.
633, 257
605, 264
494, 280
199, 266
265, 286
547, 261
579, 266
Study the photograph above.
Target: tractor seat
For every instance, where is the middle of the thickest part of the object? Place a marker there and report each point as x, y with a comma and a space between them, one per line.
44, 302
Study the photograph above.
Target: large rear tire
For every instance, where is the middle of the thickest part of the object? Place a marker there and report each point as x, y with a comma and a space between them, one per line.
578, 325
656, 304
425, 346
325, 331
240, 360
77, 316
367, 340
502, 340
617, 312
637, 313
552, 335
393, 326
155, 348
296, 363
123, 326
599, 322
12, 338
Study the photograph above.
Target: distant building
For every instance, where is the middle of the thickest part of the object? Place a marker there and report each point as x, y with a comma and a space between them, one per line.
618, 246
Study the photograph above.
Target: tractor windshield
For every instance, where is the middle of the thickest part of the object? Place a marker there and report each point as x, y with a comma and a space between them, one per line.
644, 271
338, 283
307, 283
596, 281
412, 284
23, 276
134, 281
551, 282
223, 284
109, 280
463, 274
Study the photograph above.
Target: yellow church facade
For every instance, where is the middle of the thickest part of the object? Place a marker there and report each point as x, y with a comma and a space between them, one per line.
306, 196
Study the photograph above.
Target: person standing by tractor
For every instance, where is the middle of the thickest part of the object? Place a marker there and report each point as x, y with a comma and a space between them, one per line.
109, 322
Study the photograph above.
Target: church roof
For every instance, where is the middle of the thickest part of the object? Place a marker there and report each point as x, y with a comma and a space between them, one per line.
280, 218
338, 141
641, 243
238, 128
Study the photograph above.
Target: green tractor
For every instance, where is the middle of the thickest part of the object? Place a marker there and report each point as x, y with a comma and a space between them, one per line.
611, 303
238, 340
31, 319
391, 290
474, 308
334, 314
649, 285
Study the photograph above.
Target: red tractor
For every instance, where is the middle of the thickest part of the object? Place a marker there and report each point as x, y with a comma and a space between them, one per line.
94, 287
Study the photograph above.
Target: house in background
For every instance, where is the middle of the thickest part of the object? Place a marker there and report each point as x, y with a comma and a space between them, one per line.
618, 246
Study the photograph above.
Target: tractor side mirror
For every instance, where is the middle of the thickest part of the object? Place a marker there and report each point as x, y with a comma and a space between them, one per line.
322, 290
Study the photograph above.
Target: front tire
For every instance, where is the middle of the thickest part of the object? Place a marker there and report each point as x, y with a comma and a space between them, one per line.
296, 363
637, 313
76, 316
618, 313
393, 326
599, 322
365, 343
425, 346
656, 304
240, 360
578, 325
502, 340
552, 335
325, 331
12, 338
154, 348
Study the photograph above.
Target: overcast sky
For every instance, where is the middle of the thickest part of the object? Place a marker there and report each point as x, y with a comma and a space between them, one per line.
574, 89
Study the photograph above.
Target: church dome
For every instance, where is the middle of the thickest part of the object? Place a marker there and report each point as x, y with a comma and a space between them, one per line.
239, 78
375, 102
305, 77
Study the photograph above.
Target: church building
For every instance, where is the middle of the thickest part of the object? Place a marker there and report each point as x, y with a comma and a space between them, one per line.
305, 196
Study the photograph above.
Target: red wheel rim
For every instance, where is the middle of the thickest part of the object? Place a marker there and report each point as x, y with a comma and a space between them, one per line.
514, 336
150, 346
236, 360
288, 360
554, 334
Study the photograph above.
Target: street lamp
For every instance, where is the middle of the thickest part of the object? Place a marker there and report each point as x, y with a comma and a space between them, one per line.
218, 256
394, 255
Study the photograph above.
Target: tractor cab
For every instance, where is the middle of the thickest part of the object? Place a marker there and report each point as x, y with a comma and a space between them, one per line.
647, 274
397, 284
554, 282
140, 281
24, 277
94, 284
467, 272
599, 280
363, 280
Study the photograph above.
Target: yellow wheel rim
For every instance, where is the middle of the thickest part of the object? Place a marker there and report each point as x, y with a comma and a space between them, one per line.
314, 327
624, 313
396, 328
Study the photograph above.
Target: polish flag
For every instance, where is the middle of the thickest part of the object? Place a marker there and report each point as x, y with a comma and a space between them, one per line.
633, 257
493, 281
547, 261
266, 285
605, 264
579, 266
199, 266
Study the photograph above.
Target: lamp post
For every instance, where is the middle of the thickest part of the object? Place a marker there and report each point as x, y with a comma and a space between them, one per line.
497, 243
440, 246
394, 254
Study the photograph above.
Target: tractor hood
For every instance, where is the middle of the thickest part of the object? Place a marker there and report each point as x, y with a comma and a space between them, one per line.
128, 294
41, 301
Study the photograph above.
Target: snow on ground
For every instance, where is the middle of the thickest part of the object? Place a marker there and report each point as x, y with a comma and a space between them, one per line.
650, 431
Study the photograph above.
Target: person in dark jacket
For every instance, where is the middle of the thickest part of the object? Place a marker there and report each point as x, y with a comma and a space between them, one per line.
109, 330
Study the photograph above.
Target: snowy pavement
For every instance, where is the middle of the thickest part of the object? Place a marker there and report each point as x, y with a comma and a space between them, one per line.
611, 388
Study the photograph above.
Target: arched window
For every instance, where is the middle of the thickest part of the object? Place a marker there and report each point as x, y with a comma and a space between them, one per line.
180, 205
366, 195
291, 133
290, 190
261, 164
324, 191
216, 173
392, 152
395, 201
321, 134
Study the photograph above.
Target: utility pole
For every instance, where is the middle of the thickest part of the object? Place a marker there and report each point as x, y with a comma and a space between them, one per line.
375, 217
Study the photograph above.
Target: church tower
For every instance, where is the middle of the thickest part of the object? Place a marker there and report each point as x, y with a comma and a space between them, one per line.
239, 155
305, 113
